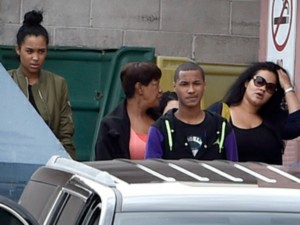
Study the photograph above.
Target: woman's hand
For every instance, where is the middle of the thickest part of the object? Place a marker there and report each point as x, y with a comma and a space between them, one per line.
284, 79
291, 98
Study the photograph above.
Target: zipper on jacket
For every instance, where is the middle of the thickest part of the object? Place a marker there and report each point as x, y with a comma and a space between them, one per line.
27, 92
41, 96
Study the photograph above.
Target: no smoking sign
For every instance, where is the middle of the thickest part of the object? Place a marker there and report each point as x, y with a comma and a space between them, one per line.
282, 19
282, 33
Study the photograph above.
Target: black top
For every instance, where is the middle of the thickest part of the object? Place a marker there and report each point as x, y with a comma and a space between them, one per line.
31, 99
258, 144
197, 136
114, 134
265, 142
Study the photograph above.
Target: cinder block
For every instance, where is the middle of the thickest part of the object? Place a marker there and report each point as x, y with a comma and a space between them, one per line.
61, 13
8, 34
94, 38
9, 11
226, 49
216, 31
129, 14
194, 16
165, 43
245, 17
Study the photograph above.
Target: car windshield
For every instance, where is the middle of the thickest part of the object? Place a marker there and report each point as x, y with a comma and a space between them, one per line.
207, 218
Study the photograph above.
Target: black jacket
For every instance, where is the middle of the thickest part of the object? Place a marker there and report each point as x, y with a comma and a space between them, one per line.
168, 139
114, 134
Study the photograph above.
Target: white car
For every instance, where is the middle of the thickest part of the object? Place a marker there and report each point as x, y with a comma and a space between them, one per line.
163, 192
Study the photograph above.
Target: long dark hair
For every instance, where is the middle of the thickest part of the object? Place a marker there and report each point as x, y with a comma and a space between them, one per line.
32, 26
272, 112
236, 92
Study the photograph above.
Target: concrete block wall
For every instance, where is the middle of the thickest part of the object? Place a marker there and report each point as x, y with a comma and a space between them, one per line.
210, 31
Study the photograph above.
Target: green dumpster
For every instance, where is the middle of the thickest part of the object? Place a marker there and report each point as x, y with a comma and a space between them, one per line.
94, 84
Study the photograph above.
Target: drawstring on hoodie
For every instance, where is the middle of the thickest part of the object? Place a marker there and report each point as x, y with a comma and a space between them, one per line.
169, 133
220, 141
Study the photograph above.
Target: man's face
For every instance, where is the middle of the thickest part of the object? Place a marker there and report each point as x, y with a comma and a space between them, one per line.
189, 87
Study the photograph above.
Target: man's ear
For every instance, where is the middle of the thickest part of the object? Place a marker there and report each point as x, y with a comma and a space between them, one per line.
246, 84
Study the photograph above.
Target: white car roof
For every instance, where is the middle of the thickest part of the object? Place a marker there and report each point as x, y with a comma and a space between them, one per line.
183, 185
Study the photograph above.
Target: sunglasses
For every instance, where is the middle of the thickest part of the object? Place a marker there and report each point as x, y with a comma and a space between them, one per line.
260, 82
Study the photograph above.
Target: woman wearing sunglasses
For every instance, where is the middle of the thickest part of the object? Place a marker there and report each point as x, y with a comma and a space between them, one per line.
264, 111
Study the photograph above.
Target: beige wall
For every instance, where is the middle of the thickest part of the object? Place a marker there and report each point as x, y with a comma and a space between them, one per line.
209, 31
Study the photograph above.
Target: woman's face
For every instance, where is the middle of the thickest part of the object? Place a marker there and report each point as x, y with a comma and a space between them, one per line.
32, 52
152, 93
260, 88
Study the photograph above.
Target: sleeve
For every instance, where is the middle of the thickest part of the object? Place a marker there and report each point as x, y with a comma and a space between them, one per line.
231, 147
66, 126
230, 143
104, 145
154, 144
291, 128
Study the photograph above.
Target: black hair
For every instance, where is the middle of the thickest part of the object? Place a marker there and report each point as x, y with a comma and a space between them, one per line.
134, 72
165, 98
236, 92
32, 26
272, 111
186, 67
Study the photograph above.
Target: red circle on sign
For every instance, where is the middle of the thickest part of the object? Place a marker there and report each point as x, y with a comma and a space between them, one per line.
278, 46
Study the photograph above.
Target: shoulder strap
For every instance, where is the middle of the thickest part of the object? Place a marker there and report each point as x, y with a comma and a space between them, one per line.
225, 111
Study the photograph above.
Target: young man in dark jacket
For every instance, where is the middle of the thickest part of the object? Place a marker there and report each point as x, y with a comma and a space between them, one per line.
189, 131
